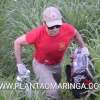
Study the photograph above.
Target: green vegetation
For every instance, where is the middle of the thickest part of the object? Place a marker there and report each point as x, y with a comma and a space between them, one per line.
20, 16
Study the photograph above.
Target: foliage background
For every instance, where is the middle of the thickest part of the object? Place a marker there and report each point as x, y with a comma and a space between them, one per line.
19, 16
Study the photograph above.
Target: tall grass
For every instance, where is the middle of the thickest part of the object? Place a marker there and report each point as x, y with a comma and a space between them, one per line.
19, 16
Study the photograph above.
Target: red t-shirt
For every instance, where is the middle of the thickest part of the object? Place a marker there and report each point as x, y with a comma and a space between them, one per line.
50, 49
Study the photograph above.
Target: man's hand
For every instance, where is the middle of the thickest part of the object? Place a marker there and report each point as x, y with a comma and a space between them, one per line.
83, 51
22, 69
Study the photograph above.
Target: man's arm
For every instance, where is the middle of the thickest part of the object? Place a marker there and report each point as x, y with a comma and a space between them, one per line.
79, 40
18, 43
81, 44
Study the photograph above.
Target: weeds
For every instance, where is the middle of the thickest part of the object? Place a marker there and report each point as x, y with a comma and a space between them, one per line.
19, 16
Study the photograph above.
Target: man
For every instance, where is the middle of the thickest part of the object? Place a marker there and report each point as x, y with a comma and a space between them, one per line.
50, 40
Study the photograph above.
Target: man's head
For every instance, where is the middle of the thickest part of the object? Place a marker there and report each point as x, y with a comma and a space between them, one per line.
52, 16
53, 19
